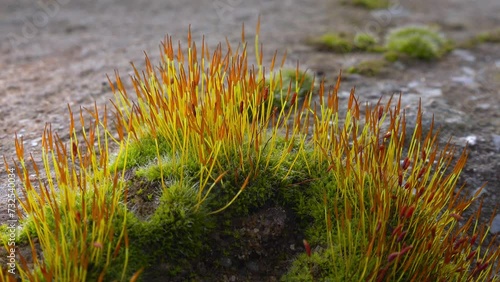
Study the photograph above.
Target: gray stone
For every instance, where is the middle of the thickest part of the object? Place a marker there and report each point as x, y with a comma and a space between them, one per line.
495, 225
496, 141
464, 55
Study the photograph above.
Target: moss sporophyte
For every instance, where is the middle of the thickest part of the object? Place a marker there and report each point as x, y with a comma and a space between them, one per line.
203, 140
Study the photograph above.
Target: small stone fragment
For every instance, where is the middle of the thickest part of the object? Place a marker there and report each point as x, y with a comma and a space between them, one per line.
495, 225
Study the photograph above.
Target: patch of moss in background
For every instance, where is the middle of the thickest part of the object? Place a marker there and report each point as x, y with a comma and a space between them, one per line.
492, 36
369, 68
419, 42
365, 41
299, 81
372, 4
342, 43
334, 42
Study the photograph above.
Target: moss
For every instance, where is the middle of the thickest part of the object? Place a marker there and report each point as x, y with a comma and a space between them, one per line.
171, 168
334, 42
369, 68
418, 42
372, 4
316, 267
345, 43
134, 256
308, 203
302, 84
141, 152
492, 36
177, 230
365, 41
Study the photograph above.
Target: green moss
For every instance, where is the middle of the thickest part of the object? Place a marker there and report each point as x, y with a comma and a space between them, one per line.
176, 231
171, 168
345, 43
317, 267
492, 36
418, 42
372, 4
134, 256
333, 42
365, 41
141, 152
302, 84
369, 68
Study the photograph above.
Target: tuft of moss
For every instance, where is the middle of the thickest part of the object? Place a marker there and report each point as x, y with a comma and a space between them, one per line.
334, 42
316, 267
140, 152
419, 42
492, 36
369, 68
176, 232
365, 41
345, 43
372, 4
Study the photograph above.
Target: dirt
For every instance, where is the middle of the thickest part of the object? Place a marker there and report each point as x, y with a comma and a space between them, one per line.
55, 54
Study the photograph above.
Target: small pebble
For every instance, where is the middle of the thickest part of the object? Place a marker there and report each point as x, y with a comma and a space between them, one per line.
464, 55
495, 225
471, 140
496, 142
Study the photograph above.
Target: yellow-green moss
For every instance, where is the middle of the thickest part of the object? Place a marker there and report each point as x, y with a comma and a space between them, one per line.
303, 84
365, 41
372, 4
177, 229
492, 36
369, 68
140, 152
419, 42
345, 43
334, 42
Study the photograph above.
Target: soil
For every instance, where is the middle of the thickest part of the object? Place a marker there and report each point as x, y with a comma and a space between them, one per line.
55, 54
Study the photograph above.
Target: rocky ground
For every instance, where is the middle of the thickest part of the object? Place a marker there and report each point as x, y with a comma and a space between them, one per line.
57, 53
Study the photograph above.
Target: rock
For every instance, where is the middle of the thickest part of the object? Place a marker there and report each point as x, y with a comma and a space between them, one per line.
464, 55
470, 140
496, 141
430, 92
495, 225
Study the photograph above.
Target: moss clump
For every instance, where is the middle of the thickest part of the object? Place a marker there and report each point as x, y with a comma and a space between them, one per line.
377, 208
492, 36
316, 267
365, 41
170, 168
369, 68
345, 43
417, 42
176, 231
333, 42
140, 152
372, 4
